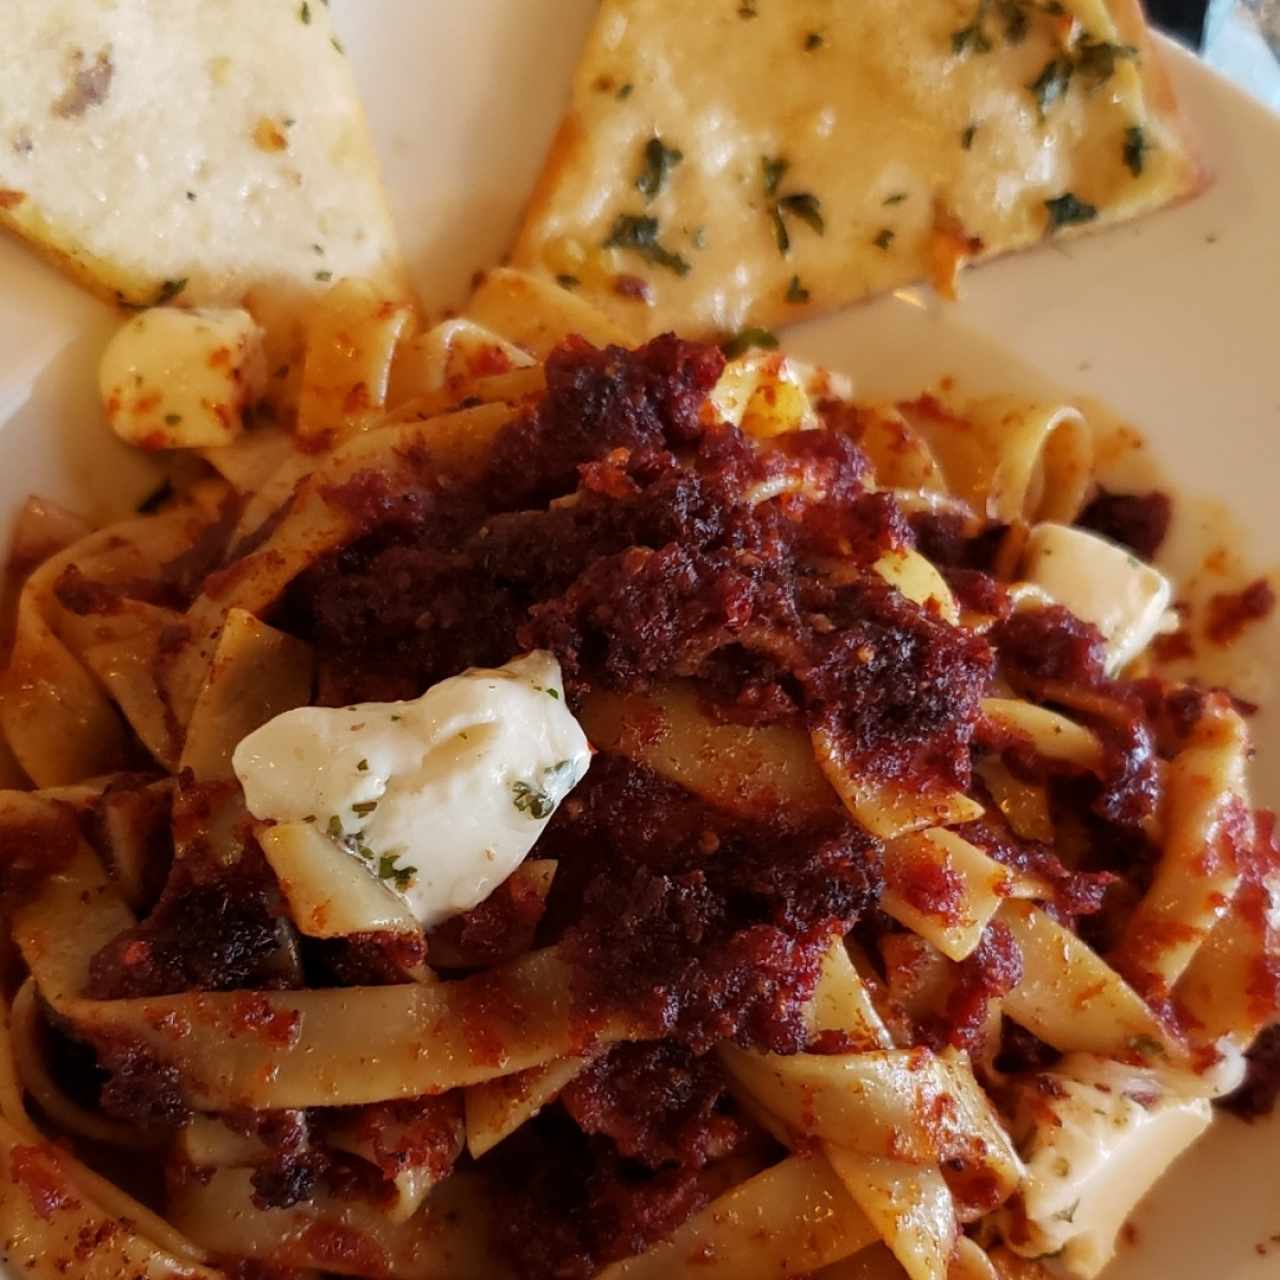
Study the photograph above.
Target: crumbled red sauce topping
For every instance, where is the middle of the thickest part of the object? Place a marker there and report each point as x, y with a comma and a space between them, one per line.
621, 525
1231, 612
38, 1172
1139, 521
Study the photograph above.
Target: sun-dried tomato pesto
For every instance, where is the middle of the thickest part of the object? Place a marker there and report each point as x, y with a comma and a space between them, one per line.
620, 524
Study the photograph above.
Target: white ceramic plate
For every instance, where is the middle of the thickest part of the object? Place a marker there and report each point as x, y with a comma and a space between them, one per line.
1174, 323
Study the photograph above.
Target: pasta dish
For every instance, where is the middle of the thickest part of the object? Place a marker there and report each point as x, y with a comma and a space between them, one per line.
516, 805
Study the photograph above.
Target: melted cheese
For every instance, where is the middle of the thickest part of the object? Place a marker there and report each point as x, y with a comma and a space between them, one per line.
174, 379
441, 797
870, 106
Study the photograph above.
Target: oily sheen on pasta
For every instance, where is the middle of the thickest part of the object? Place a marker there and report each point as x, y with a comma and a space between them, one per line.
899, 916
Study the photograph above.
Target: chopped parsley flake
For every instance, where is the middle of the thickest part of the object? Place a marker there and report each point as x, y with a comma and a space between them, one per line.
747, 9
806, 207
745, 339
305, 12
324, 276
896, 198
800, 204
191, 195
169, 290
972, 38
640, 234
780, 232
659, 160
1147, 1047
1014, 17
364, 808
967, 136
814, 40
568, 281
796, 292
334, 829
387, 870
1051, 84
537, 801
883, 238
362, 767
172, 419
1067, 210
1136, 147
773, 168
337, 44
552, 693
626, 91
1096, 59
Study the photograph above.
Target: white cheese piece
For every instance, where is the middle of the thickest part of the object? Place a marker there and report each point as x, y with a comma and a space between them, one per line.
178, 379
442, 797
1103, 1134
1101, 583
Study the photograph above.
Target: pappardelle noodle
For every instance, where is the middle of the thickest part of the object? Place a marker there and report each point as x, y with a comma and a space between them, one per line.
897, 915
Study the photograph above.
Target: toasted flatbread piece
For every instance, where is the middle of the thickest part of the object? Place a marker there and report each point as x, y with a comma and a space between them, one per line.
735, 163
189, 150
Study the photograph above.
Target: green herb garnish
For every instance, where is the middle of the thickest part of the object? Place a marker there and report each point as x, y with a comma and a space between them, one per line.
1051, 84
172, 419
334, 829
883, 238
1067, 210
814, 40
967, 136
896, 198
973, 38
745, 339
305, 12
774, 168
387, 870
640, 234
364, 808
626, 91
568, 281
659, 160
1147, 1047
799, 204
1013, 14
362, 767
806, 207
1136, 147
324, 276
796, 292
169, 290
1096, 59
